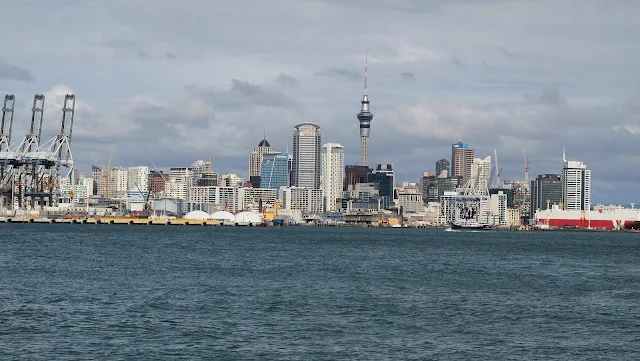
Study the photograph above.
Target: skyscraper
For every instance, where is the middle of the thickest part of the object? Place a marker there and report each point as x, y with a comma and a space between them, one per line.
138, 178
332, 174
275, 171
461, 161
576, 186
441, 165
354, 174
546, 191
255, 161
385, 179
307, 155
364, 117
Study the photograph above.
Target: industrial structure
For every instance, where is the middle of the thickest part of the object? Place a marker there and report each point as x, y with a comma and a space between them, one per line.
364, 117
31, 168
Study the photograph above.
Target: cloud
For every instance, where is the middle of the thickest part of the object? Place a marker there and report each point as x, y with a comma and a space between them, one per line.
340, 73
287, 80
13, 72
143, 109
456, 61
242, 94
143, 54
551, 96
408, 76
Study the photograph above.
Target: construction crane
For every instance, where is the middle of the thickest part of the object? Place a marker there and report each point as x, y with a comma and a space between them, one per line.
107, 174
526, 166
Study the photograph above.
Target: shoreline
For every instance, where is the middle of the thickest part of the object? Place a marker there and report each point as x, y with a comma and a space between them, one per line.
219, 223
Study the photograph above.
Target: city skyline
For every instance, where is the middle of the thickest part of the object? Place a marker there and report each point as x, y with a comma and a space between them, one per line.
465, 81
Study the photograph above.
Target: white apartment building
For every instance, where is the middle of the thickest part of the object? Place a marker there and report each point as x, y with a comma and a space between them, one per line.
499, 208
230, 180
410, 199
307, 200
576, 186
178, 182
332, 174
231, 199
138, 178
118, 182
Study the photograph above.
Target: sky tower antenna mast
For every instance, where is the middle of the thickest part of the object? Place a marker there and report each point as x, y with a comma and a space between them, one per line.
526, 166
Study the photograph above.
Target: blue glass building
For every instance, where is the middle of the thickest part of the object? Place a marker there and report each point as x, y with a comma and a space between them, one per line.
275, 171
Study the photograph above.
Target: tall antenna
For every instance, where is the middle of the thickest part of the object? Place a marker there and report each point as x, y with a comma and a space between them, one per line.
564, 157
366, 55
495, 152
526, 167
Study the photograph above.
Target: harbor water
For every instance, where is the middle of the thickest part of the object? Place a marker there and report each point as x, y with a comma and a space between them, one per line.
70, 292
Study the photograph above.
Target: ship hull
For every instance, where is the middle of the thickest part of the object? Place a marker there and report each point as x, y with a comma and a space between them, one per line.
607, 218
479, 227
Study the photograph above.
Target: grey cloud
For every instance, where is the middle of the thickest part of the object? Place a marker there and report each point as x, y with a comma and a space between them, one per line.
287, 80
13, 72
143, 54
598, 63
242, 94
456, 61
408, 76
551, 96
508, 53
170, 56
340, 73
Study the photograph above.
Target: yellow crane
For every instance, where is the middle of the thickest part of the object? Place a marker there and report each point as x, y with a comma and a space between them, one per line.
106, 172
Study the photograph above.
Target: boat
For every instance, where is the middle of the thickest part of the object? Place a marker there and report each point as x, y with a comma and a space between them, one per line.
470, 224
600, 217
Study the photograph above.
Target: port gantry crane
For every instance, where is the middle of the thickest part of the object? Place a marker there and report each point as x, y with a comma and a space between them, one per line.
33, 167
5, 146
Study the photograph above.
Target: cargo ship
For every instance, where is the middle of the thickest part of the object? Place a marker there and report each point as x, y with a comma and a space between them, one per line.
600, 217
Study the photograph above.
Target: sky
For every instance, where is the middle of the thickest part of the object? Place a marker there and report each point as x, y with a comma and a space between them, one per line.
166, 83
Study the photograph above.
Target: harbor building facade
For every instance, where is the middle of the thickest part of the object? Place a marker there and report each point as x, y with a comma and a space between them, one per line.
307, 156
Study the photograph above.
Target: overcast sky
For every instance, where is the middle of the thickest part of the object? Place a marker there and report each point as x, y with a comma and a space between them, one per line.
171, 82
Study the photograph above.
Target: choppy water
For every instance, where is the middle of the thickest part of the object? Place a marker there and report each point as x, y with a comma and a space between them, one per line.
181, 293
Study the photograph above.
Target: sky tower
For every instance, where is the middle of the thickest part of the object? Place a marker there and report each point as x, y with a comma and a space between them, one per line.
365, 118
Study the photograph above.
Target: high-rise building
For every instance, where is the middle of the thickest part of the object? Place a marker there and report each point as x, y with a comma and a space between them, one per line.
255, 161
441, 165
433, 187
354, 174
461, 161
364, 117
307, 156
275, 171
178, 182
385, 179
156, 182
576, 186
138, 178
332, 174
118, 182
481, 175
546, 191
